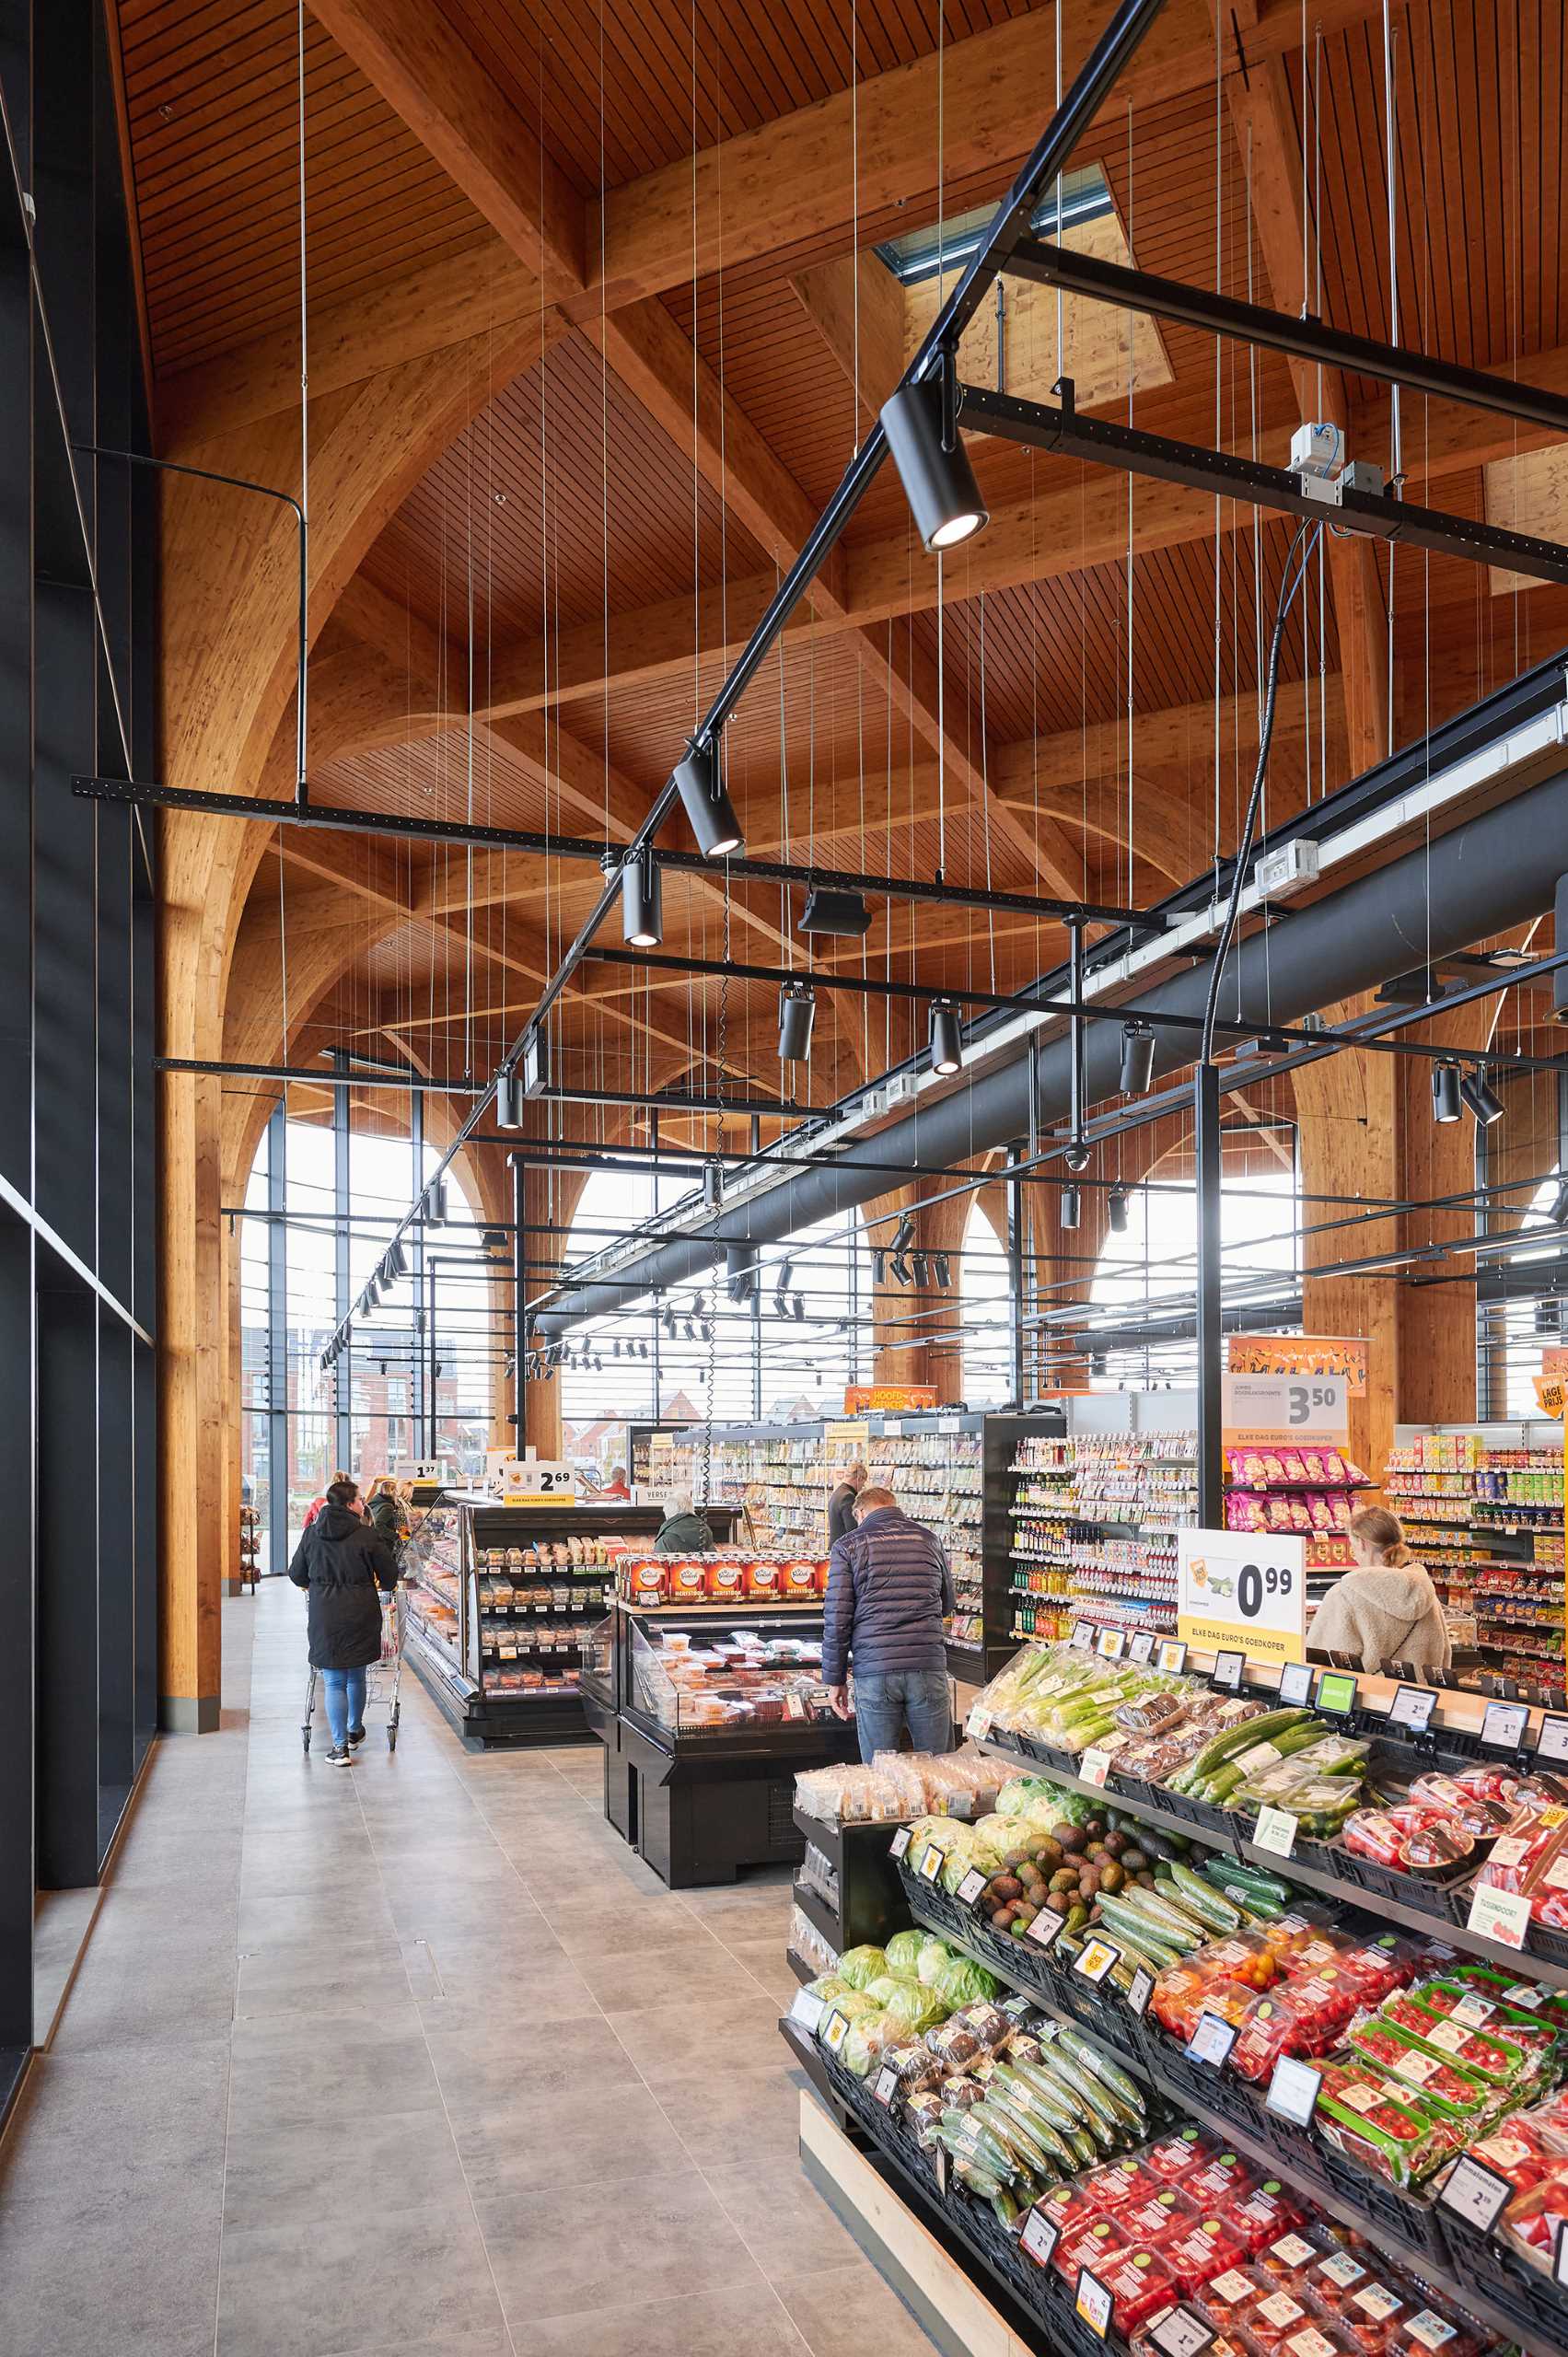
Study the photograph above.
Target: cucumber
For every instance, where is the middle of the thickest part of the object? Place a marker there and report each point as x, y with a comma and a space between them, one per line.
1040, 2097
1232, 1740
1107, 2073
1124, 1925
1257, 1879
1205, 1902
1177, 1926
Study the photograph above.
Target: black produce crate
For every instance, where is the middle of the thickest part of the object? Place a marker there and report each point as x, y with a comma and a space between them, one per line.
1017, 1961
1404, 2216
1429, 1895
1041, 2290
1203, 1813
1097, 2010
1049, 1756
1524, 2293
1220, 2092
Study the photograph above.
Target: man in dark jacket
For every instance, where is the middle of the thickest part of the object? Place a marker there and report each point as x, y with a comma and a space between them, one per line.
889, 1588
339, 1562
840, 1505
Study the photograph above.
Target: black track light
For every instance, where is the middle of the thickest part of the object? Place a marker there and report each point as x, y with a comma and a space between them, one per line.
642, 902
436, 1198
706, 1330
878, 1266
947, 1036
922, 1270
843, 915
785, 1266
669, 1323
903, 1236
797, 1013
933, 466
800, 1309
1072, 1207
944, 1270
1445, 1092
690, 1332
1481, 1098
1137, 1058
1116, 1209
641, 1350
508, 1115
1559, 1212
615, 1350
399, 1260
706, 804
900, 1268
781, 1305
712, 1184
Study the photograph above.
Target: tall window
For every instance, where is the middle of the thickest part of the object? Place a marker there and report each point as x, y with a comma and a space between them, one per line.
984, 1289
1148, 1276
1512, 1334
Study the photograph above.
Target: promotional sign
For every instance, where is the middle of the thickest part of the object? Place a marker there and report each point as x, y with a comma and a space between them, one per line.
1242, 1590
892, 1399
1551, 1394
848, 1436
1264, 1410
1309, 1354
536, 1481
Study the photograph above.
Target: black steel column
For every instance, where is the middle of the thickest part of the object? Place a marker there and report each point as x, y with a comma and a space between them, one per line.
416, 1265
1017, 1307
520, 1298
343, 1390
278, 1450
1207, 1144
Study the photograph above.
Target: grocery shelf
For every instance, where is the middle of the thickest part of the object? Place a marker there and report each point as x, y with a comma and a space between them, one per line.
818, 1913
1260, 2141
1313, 1877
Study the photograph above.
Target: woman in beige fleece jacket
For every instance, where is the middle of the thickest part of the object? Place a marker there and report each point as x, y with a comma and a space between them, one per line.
1387, 1609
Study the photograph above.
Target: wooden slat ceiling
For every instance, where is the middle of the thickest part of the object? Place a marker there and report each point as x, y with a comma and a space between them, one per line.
563, 501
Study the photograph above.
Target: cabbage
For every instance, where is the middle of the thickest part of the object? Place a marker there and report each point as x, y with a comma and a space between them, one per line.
995, 1835
869, 2037
1016, 1797
915, 2009
903, 1952
852, 2005
826, 1985
886, 1987
861, 1966
962, 1982
935, 1958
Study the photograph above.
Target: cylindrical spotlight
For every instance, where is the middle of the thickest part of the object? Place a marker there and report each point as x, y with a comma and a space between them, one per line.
797, 1013
1072, 1207
642, 902
1481, 1098
1116, 1208
922, 1265
508, 1116
800, 1309
1137, 1058
399, 1258
436, 1196
944, 1270
946, 1037
1445, 1092
712, 1185
706, 804
945, 499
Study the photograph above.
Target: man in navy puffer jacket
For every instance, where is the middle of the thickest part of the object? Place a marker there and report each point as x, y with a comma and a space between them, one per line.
889, 1588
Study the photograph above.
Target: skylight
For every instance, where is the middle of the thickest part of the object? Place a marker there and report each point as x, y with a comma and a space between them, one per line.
949, 245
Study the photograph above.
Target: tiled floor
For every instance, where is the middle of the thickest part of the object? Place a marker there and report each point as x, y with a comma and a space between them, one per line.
415, 2057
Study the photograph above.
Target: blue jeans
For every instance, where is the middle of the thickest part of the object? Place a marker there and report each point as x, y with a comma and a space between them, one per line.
882, 1705
344, 1696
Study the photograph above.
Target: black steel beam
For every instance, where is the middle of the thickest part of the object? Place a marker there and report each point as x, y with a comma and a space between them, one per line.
316, 1078
1306, 339
775, 1107
1218, 474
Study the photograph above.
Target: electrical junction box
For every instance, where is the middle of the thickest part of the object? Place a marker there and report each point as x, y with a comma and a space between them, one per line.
901, 1086
1360, 474
1315, 450
1286, 869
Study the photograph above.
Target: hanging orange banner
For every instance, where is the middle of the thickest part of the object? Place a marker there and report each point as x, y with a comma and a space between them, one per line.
1302, 1354
894, 1398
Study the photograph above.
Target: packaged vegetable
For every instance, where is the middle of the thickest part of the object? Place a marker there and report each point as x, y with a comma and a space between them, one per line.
935, 1958
902, 1952
1392, 2133
1492, 2058
1405, 2057
1452, 1999
860, 1966
960, 1981
1140, 2284
868, 2037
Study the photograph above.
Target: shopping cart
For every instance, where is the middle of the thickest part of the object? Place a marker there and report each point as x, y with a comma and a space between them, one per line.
383, 1678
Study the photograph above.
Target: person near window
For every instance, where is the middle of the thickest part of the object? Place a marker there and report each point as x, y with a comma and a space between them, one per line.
340, 1564
840, 1505
888, 1590
616, 1486
1386, 1610
683, 1530
316, 1504
384, 1513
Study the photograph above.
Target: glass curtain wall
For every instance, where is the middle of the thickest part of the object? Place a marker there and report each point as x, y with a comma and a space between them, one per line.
986, 1290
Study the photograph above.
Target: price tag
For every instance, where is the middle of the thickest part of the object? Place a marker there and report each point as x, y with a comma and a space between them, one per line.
1413, 1707
1560, 2264
1553, 1741
1046, 1929
1083, 1636
932, 1862
1141, 1647
1139, 1989
1276, 1831
1094, 1768
948, 1423
1095, 1959
1094, 2303
1211, 2040
807, 2011
887, 2087
1112, 1643
1475, 2193
1336, 1692
1293, 2091
794, 1707
969, 1891
979, 1725
1296, 1683
1227, 1671
1504, 1724
1040, 2237
1180, 2334
1500, 1915
901, 1842
1017, 2009
835, 2030
1172, 1656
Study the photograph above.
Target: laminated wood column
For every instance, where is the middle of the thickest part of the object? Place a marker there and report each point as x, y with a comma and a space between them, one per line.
1349, 1107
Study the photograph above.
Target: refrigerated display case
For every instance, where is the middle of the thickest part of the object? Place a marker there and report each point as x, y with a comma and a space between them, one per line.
707, 1713
498, 1604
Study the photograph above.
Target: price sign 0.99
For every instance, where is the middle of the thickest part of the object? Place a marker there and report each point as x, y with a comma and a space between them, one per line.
1242, 1591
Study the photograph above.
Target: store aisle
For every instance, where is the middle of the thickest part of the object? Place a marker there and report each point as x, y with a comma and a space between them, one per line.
414, 2057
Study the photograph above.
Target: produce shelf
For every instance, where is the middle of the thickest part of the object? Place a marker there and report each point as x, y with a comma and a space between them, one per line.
1312, 1865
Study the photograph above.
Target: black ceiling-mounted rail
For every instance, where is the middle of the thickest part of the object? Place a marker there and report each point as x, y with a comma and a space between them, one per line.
1305, 337
1067, 431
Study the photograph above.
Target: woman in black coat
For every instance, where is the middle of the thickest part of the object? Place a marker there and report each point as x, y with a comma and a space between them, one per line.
340, 1564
